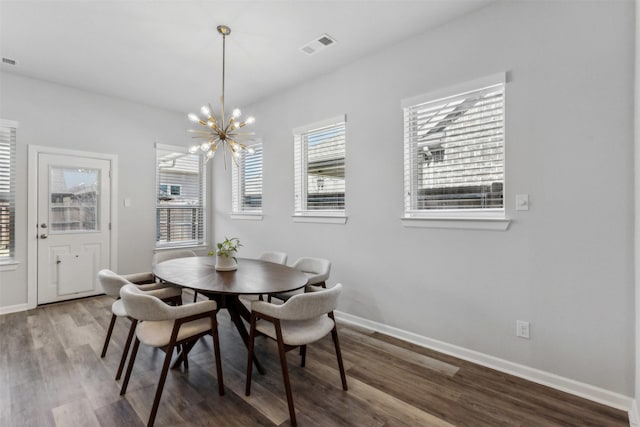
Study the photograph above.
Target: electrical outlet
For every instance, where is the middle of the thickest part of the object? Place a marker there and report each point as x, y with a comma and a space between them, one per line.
522, 329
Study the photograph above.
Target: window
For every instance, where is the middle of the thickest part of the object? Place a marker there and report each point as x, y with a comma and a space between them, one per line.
246, 182
180, 202
7, 189
320, 168
454, 152
171, 189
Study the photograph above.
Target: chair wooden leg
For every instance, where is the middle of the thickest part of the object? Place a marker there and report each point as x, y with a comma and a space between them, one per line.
336, 343
125, 352
303, 355
285, 372
132, 359
108, 338
163, 378
185, 360
252, 338
216, 351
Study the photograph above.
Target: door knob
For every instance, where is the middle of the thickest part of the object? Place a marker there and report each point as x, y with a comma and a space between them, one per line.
44, 236
43, 225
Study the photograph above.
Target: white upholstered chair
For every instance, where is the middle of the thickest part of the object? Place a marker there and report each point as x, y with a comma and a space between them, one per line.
178, 253
301, 320
317, 271
274, 257
111, 284
167, 327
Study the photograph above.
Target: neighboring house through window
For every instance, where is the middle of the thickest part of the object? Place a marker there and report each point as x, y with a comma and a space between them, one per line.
7, 189
180, 202
320, 168
454, 151
246, 182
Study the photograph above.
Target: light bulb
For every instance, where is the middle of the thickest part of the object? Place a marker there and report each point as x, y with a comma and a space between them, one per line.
250, 120
205, 146
210, 154
205, 110
236, 125
236, 113
210, 123
194, 118
194, 149
251, 150
236, 154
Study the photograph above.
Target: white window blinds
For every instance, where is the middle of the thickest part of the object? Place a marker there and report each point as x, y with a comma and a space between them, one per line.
180, 188
320, 168
7, 191
246, 182
454, 152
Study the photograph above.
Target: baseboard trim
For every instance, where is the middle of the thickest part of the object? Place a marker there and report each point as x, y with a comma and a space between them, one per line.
13, 308
558, 382
634, 420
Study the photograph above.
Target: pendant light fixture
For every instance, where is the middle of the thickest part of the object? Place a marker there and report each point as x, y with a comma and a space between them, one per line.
220, 131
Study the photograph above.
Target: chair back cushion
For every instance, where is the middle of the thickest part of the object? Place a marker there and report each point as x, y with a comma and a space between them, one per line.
142, 306
275, 257
318, 268
309, 305
111, 282
167, 255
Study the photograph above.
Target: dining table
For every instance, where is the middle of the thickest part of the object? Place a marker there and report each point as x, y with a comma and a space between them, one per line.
252, 277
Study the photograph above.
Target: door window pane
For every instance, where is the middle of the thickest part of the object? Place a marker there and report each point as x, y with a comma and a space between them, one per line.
74, 199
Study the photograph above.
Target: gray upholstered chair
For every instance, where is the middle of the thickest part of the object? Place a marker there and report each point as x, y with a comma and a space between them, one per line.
303, 319
158, 257
274, 257
317, 271
167, 327
111, 284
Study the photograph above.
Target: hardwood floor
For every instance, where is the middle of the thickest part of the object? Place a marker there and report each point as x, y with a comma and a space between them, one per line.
51, 374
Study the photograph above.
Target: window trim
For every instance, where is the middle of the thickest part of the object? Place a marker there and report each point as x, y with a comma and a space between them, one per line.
203, 180
480, 219
333, 216
236, 172
10, 262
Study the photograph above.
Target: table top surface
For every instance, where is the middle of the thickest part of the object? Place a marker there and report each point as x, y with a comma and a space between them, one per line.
251, 278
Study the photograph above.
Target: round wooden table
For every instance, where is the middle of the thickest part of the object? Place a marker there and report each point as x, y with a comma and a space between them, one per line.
253, 277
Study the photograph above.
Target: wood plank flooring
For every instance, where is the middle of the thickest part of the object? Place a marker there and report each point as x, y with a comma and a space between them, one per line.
51, 374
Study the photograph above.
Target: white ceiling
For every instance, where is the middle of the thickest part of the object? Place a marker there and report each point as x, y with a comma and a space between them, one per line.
168, 53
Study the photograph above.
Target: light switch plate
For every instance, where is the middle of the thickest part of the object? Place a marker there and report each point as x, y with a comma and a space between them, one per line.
522, 202
127, 202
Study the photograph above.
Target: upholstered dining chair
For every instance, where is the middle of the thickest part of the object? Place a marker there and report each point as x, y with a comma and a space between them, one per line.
111, 284
147, 277
301, 320
167, 255
274, 257
317, 271
167, 327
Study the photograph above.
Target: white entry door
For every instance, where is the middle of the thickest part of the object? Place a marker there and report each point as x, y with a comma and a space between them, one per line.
74, 236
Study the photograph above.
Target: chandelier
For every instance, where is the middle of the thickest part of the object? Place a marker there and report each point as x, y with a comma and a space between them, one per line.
220, 131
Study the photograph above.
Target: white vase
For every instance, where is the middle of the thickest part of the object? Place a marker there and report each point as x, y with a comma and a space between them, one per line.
226, 263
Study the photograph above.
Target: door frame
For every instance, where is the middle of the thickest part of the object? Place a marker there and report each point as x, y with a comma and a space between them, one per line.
32, 212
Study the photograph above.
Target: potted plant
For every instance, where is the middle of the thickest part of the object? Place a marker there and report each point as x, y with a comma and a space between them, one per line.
226, 254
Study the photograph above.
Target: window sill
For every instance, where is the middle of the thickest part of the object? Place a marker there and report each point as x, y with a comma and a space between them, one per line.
324, 219
247, 216
172, 248
495, 224
9, 265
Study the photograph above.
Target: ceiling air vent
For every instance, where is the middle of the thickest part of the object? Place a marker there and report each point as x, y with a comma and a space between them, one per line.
315, 46
8, 61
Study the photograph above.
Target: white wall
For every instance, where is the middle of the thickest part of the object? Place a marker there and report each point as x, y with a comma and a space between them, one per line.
566, 265
59, 116
637, 204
